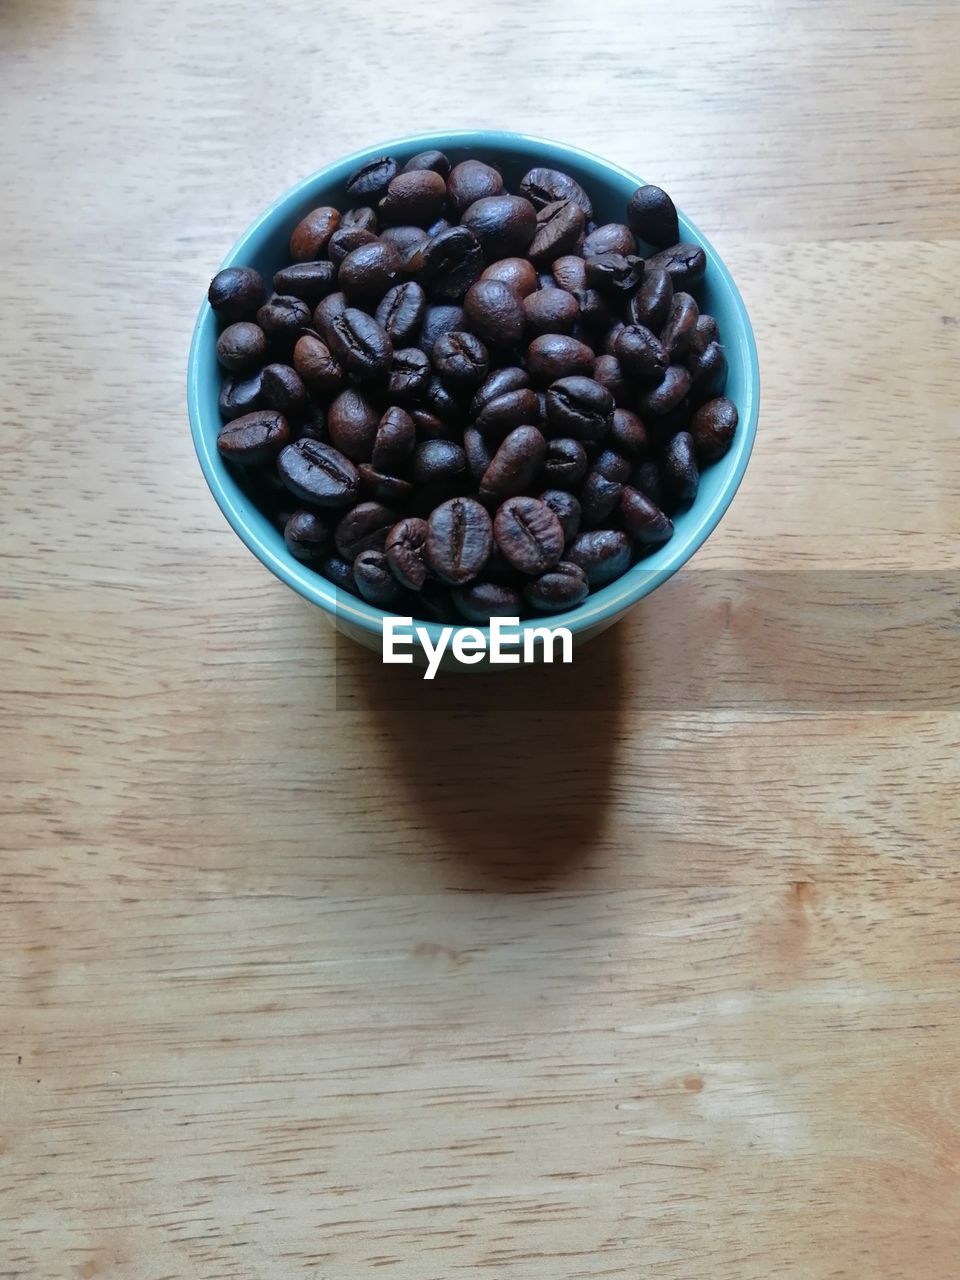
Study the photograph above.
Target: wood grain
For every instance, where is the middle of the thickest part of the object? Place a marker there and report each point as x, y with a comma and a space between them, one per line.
648, 966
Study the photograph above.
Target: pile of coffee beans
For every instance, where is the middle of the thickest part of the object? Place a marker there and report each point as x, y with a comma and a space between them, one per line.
460, 402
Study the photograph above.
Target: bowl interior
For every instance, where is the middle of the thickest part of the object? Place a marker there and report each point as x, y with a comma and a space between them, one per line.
264, 247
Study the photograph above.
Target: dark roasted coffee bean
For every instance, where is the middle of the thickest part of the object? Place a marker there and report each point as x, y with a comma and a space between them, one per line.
498, 383
608, 372
646, 478
448, 263
609, 345
433, 159
685, 263
366, 526
360, 344
650, 305
378, 486
704, 332
516, 464
594, 311
340, 574
655, 401
628, 435
413, 199
368, 272
239, 396
441, 400
562, 587
503, 224
470, 181
459, 540
548, 186
529, 534
284, 391
253, 438
481, 601
681, 319
641, 353
395, 440
437, 320
570, 272
372, 178
495, 313
555, 355
566, 463
284, 318
316, 366
427, 424
400, 312
613, 274
439, 462
362, 216
377, 584
566, 508
708, 371
479, 455
410, 374
613, 465
612, 237
353, 424
312, 234
327, 310
319, 474
681, 476
643, 520
461, 359
236, 293
579, 407
512, 409
345, 239
516, 273
406, 552
436, 228
713, 428
550, 311
599, 498
558, 230
653, 216
603, 555
405, 239
309, 281
242, 347
307, 537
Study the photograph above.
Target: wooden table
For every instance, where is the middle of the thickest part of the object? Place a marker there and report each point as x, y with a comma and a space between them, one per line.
648, 967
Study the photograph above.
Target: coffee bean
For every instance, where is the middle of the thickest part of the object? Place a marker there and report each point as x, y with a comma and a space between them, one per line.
377, 584
685, 264
440, 399
253, 438
646, 478
410, 374
316, 366
559, 227
395, 440
677, 331
405, 239
529, 534
599, 498
481, 601
681, 476
307, 537
503, 224
516, 273
345, 239
643, 520
479, 455
612, 237
650, 305
319, 474
406, 552
550, 311
309, 281
560, 588
603, 555
439, 462
363, 528
594, 310
447, 264
470, 181
438, 320
653, 216
360, 344
284, 318
579, 407
667, 394
400, 311
708, 371
555, 355
628, 434
368, 272
432, 159
714, 426
242, 347
414, 199
362, 216
565, 464
566, 508
236, 293
570, 272
459, 540
641, 353
427, 424
609, 373
340, 573
512, 409
495, 313
380, 486
613, 274
498, 383
548, 186
461, 359
372, 178
327, 310
353, 423
515, 465
239, 396
613, 465
312, 235
704, 332
284, 391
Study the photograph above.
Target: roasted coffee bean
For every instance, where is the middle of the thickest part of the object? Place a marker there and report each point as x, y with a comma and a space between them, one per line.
459, 540
713, 428
655, 401
565, 464
609, 345
612, 237
236, 293
708, 371
685, 263
400, 311
441, 400
646, 478
360, 344
529, 534
319, 474
410, 374
340, 574
312, 235
498, 383
559, 227
307, 537
242, 347
433, 159
479, 455
366, 526
550, 311
395, 440
438, 320
377, 584
516, 273
320, 371
503, 224
608, 372
566, 508
379, 486
461, 359
613, 465
678, 467
372, 178
345, 239
405, 239
603, 555
481, 601
704, 332
599, 498
470, 181
512, 409
494, 313
650, 305
562, 587
643, 520
309, 281
570, 272
253, 438
641, 353
368, 272
353, 423
613, 274
579, 407
362, 216
406, 552
555, 355
413, 199
447, 264
628, 435
427, 424
677, 331
439, 462
284, 391
284, 318
594, 310
327, 310
239, 396
516, 464
548, 186
653, 216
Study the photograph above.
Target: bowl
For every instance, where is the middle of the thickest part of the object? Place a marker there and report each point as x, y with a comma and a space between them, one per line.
264, 246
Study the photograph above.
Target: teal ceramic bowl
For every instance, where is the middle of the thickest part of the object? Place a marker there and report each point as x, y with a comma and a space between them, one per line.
264, 246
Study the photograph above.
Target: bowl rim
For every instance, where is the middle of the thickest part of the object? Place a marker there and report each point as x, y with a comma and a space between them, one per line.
602, 606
